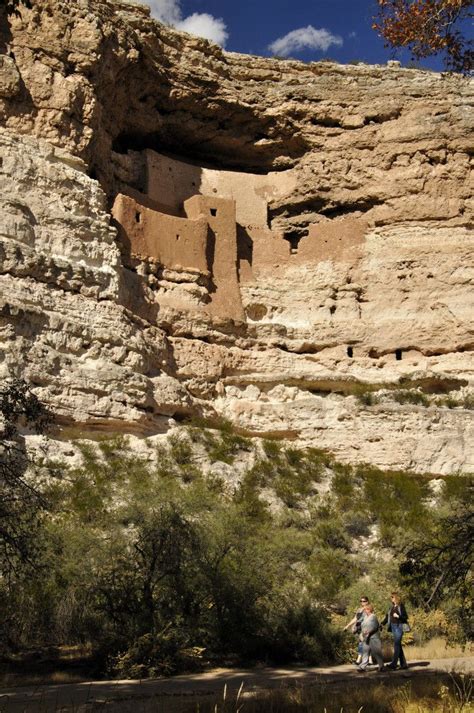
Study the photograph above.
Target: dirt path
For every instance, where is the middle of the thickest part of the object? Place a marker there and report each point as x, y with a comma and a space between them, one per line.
81, 696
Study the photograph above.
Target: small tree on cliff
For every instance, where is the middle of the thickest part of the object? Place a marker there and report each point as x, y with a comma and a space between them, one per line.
428, 27
20, 500
12, 5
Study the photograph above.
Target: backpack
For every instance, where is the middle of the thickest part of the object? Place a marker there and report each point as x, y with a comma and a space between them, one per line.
357, 627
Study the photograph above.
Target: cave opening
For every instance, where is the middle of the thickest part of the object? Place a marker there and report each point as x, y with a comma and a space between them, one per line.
177, 149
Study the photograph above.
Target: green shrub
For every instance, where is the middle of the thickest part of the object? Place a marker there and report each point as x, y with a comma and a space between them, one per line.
331, 534
449, 402
180, 450
397, 500
290, 473
271, 449
357, 523
365, 395
330, 571
410, 396
161, 654
248, 493
226, 447
322, 459
343, 484
458, 489
466, 401
221, 443
301, 632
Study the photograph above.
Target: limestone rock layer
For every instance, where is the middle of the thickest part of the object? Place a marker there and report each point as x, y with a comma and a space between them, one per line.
189, 231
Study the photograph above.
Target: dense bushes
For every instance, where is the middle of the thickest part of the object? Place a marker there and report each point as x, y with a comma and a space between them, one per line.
166, 564
163, 571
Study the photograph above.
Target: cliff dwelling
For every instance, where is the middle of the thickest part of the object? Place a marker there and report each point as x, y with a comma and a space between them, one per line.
282, 232
236, 357
216, 222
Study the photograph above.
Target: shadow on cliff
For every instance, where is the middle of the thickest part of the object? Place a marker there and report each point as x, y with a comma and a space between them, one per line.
210, 257
147, 104
135, 296
19, 100
244, 245
5, 32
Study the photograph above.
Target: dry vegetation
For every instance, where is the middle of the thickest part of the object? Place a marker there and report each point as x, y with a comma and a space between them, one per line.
213, 548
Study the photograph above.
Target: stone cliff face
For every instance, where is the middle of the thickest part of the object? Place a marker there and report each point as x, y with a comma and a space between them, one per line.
185, 230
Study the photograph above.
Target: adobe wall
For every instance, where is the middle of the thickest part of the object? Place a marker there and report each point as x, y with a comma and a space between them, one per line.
172, 182
226, 301
337, 240
269, 250
264, 250
172, 241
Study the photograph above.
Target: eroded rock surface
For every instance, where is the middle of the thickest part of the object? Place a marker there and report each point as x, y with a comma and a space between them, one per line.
283, 235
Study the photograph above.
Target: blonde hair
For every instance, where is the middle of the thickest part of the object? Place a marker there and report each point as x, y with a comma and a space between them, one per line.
397, 597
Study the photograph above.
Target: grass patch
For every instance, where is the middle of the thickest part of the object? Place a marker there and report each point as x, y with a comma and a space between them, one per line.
466, 402
438, 648
410, 392
425, 693
411, 396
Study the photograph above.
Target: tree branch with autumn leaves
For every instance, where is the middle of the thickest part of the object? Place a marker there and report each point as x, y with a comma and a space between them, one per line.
428, 27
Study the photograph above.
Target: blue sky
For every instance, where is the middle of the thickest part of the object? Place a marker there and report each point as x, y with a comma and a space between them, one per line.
335, 29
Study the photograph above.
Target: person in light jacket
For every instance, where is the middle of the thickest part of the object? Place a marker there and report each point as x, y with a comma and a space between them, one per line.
395, 618
371, 644
355, 626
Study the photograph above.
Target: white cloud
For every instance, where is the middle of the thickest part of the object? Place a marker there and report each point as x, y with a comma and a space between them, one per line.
199, 24
305, 38
205, 25
168, 11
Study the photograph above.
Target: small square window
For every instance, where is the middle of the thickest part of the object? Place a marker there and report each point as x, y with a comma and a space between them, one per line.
214, 211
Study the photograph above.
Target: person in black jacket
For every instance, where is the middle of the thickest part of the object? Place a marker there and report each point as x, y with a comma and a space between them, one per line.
395, 618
